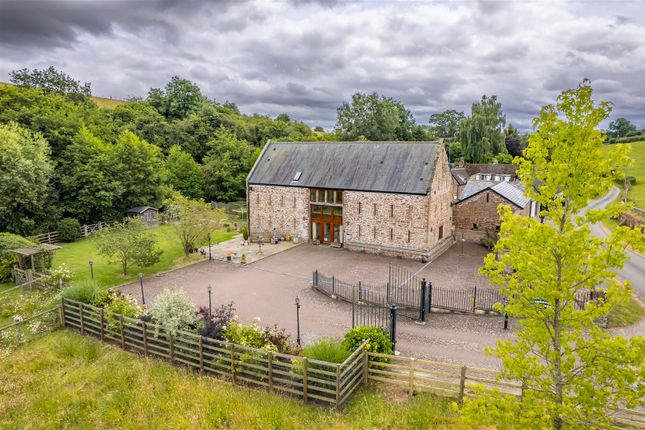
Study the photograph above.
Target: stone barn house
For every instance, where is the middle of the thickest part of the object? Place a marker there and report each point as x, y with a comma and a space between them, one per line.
392, 198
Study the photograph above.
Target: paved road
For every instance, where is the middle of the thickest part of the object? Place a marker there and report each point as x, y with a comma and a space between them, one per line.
634, 269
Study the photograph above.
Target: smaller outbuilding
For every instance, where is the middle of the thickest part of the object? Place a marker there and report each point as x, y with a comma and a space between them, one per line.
147, 213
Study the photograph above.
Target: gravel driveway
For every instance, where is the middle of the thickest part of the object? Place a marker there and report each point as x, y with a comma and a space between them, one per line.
267, 289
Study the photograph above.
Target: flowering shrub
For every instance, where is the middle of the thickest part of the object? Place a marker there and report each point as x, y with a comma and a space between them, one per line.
280, 339
117, 303
174, 310
379, 340
248, 335
57, 277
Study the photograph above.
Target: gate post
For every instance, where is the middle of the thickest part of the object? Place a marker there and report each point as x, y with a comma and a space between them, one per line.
429, 297
422, 308
333, 286
354, 306
393, 326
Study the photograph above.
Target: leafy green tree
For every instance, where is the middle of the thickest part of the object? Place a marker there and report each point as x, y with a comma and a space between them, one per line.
128, 243
184, 174
50, 79
574, 373
375, 118
25, 172
482, 134
144, 120
90, 188
514, 143
225, 168
446, 124
139, 168
195, 219
621, 127
179, 99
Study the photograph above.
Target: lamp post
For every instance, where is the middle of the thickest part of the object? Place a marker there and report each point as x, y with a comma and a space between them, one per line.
210, 306
92, 269
143, 297
209, 247
298, 320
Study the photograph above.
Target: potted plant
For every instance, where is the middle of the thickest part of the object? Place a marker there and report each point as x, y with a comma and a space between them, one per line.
243, 259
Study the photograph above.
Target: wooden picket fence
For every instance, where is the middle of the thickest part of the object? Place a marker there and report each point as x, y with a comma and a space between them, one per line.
308, 379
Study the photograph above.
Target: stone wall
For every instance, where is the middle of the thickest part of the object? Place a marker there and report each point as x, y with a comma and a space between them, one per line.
279, 210
385, 220
440, 198
476, 215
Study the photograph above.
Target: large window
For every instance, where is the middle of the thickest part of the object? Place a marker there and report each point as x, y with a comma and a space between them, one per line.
333, 197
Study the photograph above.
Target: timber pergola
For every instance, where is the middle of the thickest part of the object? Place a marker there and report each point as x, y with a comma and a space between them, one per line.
26, 255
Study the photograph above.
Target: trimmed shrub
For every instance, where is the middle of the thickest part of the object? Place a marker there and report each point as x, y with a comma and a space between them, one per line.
245, 232
173, 310
379, 339
327, 349
69, 229
8, 242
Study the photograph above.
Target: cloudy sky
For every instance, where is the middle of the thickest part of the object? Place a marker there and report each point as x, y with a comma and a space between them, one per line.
306, 57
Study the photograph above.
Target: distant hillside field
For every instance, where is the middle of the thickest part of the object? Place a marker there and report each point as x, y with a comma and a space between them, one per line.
637, 170
100, 101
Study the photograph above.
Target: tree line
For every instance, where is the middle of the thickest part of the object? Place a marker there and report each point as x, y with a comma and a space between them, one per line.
62, 156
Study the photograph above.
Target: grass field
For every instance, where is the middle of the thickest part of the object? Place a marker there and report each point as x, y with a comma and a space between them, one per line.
637, 170
76, 256
66, 381
102, 102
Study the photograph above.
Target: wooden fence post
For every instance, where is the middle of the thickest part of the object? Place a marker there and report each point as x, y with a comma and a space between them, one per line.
411, 378
80, 313
337, 385
366, 364
171, 343
102, 325
201, 355
121, 331
62, 312
145, 337
231, 348
270, 360
462, 385
305, 366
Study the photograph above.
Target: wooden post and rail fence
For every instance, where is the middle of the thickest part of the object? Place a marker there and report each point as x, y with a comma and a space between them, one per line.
308, 379
53, 237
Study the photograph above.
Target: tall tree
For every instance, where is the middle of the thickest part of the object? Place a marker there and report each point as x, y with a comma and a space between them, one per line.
180, 98
25, 172
226, 167
184, 174
574, 373
446, 124
139, 168
621, 127
374, 117
482, 134
50, 79
513, 141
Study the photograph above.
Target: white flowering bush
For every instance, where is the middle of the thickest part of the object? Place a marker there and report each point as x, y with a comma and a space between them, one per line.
173, 310
117, 303
60, 276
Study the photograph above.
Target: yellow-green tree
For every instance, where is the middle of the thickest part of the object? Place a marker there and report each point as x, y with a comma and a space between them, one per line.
574, 372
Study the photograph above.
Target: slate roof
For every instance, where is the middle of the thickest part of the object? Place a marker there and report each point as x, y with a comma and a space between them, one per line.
460, 174
140, 209
389, 167
511, 191
495, 169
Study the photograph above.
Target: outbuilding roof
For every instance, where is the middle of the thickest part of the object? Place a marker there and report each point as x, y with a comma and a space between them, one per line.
389, 167
511, 191
140, 209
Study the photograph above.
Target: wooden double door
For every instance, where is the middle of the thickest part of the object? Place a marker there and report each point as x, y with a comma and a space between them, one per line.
327, 223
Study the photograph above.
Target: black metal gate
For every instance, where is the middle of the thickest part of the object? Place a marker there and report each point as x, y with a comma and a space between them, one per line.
408, 292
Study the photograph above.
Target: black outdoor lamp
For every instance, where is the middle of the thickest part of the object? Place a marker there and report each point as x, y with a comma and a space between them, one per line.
210, 308
143, 298
92, 269
298, 320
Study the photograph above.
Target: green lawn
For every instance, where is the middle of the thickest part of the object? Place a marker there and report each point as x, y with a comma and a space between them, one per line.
76, 256
637, 170
66, 381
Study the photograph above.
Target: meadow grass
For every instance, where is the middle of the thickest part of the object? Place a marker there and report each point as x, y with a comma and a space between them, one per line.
637, 170
625, 313
108, 273
64, 380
